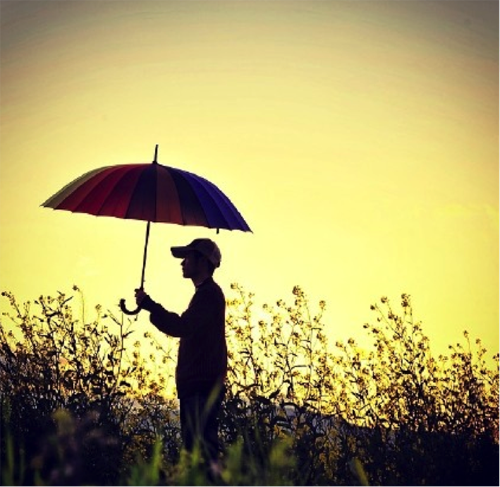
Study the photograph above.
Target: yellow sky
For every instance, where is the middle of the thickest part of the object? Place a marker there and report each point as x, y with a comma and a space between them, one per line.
358, 139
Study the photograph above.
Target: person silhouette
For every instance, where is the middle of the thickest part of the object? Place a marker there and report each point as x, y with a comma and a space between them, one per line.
202, 356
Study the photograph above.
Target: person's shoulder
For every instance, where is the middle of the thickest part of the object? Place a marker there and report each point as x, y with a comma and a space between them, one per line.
212, 288
215, 286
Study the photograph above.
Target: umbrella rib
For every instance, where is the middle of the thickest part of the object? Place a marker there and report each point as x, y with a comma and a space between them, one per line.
209, 202
232, 218
192, 209
168, 208
226, 215
142, 204
102, 197
58, 198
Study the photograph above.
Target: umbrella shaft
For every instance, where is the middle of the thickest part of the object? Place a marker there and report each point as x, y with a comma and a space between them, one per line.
145, 255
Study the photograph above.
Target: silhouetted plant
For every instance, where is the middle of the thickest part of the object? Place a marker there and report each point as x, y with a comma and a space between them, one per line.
92, 401
52, 360
409, 417
425, 420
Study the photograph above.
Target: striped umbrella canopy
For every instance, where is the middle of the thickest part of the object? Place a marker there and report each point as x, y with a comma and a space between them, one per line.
151, 192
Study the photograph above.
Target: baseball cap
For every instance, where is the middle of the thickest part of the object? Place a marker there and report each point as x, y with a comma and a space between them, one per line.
204, 246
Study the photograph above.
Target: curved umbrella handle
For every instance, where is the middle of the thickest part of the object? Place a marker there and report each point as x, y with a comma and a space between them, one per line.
126, 311
122, 301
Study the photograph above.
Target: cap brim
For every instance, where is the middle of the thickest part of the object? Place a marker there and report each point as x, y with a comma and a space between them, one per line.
179, 252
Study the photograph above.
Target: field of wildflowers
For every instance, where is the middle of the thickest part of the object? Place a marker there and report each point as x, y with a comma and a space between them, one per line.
90, 400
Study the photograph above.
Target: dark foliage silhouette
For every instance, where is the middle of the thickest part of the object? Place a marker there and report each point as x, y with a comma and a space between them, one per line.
90, 401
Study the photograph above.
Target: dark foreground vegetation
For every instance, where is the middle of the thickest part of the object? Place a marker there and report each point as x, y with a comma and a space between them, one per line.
89, 400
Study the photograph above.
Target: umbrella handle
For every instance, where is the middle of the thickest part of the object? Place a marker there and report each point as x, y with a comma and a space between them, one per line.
122, 301
126, 311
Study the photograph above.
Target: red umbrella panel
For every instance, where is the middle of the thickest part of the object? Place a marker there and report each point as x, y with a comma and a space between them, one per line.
151, 192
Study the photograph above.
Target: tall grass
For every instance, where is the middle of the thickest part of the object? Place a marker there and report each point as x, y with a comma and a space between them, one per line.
88, 400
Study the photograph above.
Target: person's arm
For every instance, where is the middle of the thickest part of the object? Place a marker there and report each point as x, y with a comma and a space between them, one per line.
195, 316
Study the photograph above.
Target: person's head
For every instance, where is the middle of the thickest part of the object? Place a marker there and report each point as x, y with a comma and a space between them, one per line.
200, 258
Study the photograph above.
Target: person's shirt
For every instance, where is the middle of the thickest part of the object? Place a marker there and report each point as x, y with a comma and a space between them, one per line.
202, 359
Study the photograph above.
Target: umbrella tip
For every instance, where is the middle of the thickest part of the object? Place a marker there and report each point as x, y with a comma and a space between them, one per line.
156, 154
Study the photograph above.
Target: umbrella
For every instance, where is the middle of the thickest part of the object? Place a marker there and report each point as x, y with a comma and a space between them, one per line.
151, 192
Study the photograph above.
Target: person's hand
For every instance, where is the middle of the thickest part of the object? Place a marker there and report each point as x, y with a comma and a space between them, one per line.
140, 295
